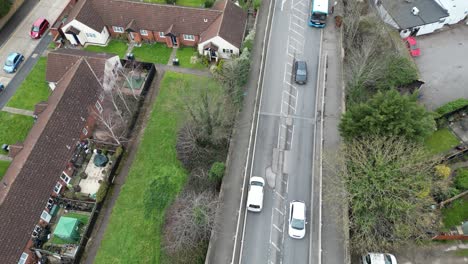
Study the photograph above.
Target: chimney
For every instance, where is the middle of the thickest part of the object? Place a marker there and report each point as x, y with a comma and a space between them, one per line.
415, 11
15, 149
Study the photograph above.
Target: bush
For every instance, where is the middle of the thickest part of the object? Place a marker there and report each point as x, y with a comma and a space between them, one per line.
248, 41
452, 106
209, 3
399, 71
257, 4
441, 192
442, 171
5, 6
170, 2
101, 193
461, 179
216, 172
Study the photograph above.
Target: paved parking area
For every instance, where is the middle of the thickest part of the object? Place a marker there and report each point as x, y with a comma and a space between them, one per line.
443, 65
20, 41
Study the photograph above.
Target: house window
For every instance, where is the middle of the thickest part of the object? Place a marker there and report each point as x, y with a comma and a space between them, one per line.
85, 131
57, 187
144, 32
161, 35
189, 37
23, 259
101, 96
46, 216
90, 35
118, 29
98, 107
65, 178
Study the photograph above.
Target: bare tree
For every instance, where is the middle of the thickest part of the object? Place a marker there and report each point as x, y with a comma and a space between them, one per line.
189, 221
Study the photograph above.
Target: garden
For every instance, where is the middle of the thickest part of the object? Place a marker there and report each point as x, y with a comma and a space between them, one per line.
154, 53
189, 58
15, 128
118, 47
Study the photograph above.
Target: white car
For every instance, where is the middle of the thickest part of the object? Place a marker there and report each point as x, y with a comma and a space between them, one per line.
297, 219
255, 196
378, 258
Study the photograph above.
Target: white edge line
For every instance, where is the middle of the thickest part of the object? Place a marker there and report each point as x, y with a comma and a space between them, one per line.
259, 89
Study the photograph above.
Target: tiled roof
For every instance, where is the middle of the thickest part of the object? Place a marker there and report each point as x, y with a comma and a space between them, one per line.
61, 60
85, 12
46, 151
225, 18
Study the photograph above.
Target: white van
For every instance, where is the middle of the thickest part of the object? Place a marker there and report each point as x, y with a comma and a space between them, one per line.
255, 196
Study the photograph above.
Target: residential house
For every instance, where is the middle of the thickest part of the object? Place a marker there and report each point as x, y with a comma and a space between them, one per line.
41, 164
412, 17
217, 32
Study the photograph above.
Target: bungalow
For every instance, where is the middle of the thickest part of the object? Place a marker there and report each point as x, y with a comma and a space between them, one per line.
217, 32
41, 166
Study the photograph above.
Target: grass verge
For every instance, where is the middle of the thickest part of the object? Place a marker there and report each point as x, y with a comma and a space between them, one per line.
132, 235
4, 164
441, 140
14, 127
33, 89
118, 47
184, 54
154, 53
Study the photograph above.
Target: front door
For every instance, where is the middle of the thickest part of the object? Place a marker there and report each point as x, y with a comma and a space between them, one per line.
174, 40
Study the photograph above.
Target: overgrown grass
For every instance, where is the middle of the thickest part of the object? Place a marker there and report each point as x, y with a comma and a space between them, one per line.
455, 213
192, 3
154, 53
132, 236
33, 89
441, 141
461, 252
5, 6
118, 47
184, 54
14, 127
4, 164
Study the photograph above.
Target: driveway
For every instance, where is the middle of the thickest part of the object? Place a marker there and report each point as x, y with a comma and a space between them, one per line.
20, 41
443, 65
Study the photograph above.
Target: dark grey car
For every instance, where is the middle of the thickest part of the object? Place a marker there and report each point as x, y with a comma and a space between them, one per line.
300, 72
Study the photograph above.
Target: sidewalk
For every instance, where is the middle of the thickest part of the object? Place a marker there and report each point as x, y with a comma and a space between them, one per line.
220, 250
334, 223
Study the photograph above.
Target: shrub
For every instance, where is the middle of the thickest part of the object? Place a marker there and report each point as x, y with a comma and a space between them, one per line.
248, 41
399, 71
257, 4
442, 171
452, 106
170, 2
461, 180
209, 3
216, 172
101, 193
5, 6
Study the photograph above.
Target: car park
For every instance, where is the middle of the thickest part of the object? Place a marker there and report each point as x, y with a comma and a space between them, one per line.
300, 72
38, 28
255, 195
378, 258
297, 219
13, 62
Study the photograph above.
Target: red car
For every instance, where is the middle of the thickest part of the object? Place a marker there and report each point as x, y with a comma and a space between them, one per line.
412, 46
39, 28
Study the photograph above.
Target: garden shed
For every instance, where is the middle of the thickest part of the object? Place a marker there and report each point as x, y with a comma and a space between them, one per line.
68, 229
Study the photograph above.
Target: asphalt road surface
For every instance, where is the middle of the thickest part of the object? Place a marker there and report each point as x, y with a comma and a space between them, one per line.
284, 143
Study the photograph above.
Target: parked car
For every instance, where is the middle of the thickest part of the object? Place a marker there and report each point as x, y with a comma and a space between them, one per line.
378, 258
255, 195
39, 27
412, 46
300, 72
297, 219
12, 62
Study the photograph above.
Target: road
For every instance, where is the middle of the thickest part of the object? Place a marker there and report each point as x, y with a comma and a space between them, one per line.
284, 143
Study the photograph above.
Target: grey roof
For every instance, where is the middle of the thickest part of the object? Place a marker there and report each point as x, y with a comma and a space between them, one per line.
400, 11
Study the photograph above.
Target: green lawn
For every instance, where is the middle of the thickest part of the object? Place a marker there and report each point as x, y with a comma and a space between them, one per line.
455, 213
84, 218
184, 55
132, 237
33, 89
154, 53
193, 3
441, 140
118, 47
4, 164
14, 127
461, 252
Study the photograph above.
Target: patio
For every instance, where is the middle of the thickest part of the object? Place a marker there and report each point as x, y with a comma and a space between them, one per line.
95, 175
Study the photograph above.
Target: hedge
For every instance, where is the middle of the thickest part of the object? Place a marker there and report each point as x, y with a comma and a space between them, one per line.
452, 106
